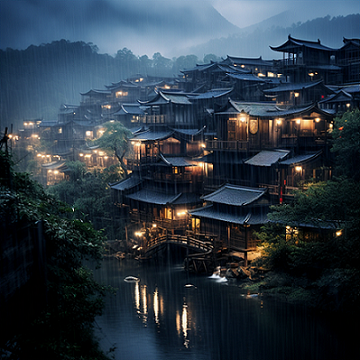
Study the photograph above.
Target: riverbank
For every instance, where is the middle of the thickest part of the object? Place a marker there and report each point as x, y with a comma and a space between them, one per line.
254, 279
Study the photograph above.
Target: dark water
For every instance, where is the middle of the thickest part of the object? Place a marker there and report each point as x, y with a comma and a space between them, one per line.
161, 318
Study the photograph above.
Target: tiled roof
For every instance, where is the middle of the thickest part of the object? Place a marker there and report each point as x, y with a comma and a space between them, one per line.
189, 132
48, 123
247, 77
215, 93
187, 198
247, 61
176, 161
209, 212
132, 109
293, 87
300, 159
251, 108
96, 92
291, 44
154, 197
181, 99
267, 158
235, 195
153, 135
126, 184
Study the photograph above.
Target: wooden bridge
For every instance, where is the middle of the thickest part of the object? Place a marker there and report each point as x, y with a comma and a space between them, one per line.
189, 242
201, 258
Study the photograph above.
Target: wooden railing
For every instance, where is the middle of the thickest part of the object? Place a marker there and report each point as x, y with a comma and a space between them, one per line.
227, 145
186, 241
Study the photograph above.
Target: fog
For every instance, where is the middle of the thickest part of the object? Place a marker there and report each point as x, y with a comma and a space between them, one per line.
171, 27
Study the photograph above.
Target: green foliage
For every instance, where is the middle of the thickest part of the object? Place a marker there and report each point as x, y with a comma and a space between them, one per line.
115, 142
329, 263
346, 146
64, 328
88, 197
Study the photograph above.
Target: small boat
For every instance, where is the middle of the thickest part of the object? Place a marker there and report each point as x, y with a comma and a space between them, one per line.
131, 279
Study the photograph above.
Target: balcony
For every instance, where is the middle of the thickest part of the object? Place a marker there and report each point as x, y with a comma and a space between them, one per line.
172, 178
168, 224
212, 145
156, 119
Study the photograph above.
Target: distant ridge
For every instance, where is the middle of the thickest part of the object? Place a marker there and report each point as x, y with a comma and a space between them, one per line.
255, 40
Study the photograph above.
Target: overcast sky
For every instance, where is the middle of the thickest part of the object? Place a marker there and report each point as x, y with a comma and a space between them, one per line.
146, 26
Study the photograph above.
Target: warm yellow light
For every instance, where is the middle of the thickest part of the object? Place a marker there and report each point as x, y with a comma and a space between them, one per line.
278, 121
56, 172
317, 119
338, 233
203, 145
298, 121
154, 225
296, 94
242, 119
88, 133
348, 105
88, 155
298, 168
106, 157
38, 155
181, 213
81, 154
138, 233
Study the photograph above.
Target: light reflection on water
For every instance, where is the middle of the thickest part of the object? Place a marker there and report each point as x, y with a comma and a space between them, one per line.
170, 314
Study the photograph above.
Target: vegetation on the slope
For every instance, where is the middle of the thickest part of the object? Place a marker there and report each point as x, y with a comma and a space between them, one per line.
115, 142
324, 271
88, 196
63, 327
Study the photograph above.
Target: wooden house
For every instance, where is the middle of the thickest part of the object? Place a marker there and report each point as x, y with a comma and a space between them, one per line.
305, 60
246, 129
295, 94
348, 57
172, 109
256, 66
233, 213
130, 115
165, 182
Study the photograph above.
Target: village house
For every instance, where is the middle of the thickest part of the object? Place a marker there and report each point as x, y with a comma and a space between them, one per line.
213, 149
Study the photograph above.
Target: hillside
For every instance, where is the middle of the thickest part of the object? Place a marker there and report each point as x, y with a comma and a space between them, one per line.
36, 81
255, 40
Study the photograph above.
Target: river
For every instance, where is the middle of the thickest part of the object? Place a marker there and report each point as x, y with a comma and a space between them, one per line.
170, 314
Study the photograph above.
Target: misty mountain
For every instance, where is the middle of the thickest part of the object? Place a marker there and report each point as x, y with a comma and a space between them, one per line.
145, 27
255, 40
36, 81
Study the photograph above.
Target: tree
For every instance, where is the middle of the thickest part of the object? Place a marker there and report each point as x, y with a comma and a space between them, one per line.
63, 328
330, 263
346, 145
211, 57
115, 142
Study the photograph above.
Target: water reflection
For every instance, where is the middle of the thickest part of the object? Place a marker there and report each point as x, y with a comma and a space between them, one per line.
156, 306
184, 320
160, 318
142, 302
